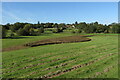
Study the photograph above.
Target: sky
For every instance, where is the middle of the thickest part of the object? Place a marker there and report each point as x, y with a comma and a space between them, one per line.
59, 12
59, 0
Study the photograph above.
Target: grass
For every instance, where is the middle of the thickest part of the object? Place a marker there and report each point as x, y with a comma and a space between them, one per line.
26, 39
42, 60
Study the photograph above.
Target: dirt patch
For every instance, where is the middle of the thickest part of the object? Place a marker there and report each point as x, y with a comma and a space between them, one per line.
69, 39
13, 48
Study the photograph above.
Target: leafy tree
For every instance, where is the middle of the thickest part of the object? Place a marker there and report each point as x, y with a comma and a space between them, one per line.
62, 26
4, 32
107, 29
32, 32
92, 28
73, 31
55, 25
49, 25
16, 26
27, 27
38, 22
115, 28
7, 26
22, 32
81, 25
55, 30
79, 31
100, 29
76, 23
40, 30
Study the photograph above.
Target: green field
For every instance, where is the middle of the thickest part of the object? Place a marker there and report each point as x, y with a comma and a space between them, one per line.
97, 58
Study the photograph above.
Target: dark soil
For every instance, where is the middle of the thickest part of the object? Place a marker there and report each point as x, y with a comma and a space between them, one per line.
69, 39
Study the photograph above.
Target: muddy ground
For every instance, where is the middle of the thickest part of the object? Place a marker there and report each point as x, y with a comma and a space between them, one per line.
69, 39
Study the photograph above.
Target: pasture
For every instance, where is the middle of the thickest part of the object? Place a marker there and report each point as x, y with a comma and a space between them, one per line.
97, 58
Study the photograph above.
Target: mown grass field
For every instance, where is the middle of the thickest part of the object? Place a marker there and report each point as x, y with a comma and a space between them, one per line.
93, 59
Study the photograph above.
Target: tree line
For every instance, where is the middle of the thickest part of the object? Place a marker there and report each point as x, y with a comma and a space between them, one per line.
97, 28
28, 29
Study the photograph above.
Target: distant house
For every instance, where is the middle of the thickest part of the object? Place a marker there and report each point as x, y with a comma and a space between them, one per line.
69, 25
73, 26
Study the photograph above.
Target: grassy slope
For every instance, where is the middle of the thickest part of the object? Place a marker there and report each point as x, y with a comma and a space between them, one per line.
33, 62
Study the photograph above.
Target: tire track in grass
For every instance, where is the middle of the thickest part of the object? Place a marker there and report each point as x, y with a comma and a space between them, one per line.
91, 70
54, 60
82, 48
28, 61
104, 71
75, 55
57, 73
45, 57
20, 62
88, 70
55, 66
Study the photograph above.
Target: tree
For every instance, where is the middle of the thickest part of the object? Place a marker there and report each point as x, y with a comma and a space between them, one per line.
49, 25
62, 26
79, 30
92, 28
55, 25
7, 26
115, 28
4, 32
81, 25
22, 32
11, 34
40, 30
27, 27
76, 23
107, 29
38, 25
32, 32
100, 28
16, 26
38, 22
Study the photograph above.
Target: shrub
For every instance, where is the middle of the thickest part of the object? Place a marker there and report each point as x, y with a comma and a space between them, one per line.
11, 35
4, 32
79, 30
73, 31
55, 31
22, 32
40, 30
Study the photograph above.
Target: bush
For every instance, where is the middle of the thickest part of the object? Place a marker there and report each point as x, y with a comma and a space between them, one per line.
4, 32
11, 35
73, 31
27, 27
22, 32
32, 32
55, 30
40, 30
79, 31
49, 29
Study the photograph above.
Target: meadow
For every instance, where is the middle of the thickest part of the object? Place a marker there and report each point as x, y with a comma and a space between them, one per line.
97, 58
